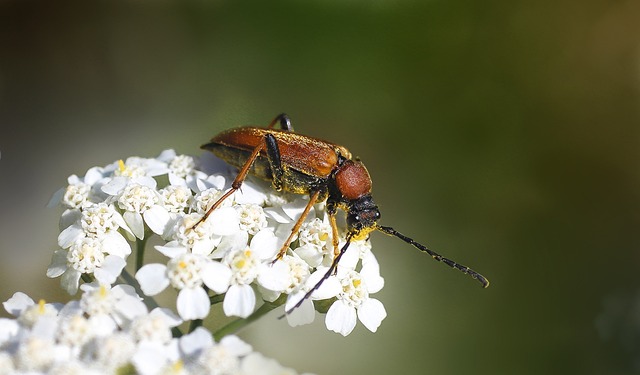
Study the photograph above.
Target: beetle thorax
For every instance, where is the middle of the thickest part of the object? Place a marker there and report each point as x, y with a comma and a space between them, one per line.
353, 180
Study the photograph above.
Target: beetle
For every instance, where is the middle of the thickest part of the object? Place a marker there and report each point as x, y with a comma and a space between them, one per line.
300, 164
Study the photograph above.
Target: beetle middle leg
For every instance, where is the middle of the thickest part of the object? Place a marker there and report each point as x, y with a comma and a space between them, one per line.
312, 200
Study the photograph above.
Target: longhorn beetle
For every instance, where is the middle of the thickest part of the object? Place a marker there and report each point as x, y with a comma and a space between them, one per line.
304, 165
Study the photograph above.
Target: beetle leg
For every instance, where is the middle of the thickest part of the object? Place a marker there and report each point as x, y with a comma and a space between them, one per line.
333, 269
273, 155
283, 120
237, 182
331, 211
312, 200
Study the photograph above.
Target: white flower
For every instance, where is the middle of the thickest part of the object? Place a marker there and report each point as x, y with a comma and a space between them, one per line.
245, 266
102, 257
113, 351
315, 242
27, 311
186, 272
176, 199
107, 306
206, 198
225, 357
353, 299
252, 218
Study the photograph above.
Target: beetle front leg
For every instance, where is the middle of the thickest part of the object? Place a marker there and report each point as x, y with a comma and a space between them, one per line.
331, 211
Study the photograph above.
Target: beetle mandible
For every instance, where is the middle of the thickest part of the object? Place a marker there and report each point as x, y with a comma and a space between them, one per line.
325, 171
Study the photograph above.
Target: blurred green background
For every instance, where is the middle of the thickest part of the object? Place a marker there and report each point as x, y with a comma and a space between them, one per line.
503, 134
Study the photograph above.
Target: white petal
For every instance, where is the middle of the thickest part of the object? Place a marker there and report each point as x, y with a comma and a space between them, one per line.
277, 214
135, 223
70, 235
149, 358
114, 243
167, 315
294, 209
305, 314
329, 287
118, 219
341, 318
166, 156
17, 303
205, 246
131, 307
69, 217
310, 254
224, 221
216, 181
58, 264
176, 180
196, 341
370, 273
250, 193
234, 242
371, 313
93, 175
115, 185
274, 276
145, 181
235, 346
9, 328
216, 276
110, 269
265, 245
240, 300
172, 249
349, 260
70, 280
56, 198
102, 324
157, 218
193, 303
268, 294
152, 278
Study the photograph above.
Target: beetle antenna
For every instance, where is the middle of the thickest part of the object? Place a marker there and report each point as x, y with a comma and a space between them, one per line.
328, 274
464, 269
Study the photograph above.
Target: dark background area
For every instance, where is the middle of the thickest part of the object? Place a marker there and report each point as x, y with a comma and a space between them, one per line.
503, 134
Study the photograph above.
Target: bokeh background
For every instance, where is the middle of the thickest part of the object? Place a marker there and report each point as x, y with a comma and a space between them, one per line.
504, 134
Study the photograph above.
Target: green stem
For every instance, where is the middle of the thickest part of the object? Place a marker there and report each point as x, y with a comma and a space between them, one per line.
140, 245
216, 299
195, 324
238, 324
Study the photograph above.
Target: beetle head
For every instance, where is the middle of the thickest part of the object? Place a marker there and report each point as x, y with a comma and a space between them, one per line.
362, 216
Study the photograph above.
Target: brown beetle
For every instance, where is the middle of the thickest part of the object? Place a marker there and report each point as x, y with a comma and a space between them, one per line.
304, 165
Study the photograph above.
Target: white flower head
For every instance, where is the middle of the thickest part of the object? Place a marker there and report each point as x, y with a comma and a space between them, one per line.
252, 218
176, 198
353, 300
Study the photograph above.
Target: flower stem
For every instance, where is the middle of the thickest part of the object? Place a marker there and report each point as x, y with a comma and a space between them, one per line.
195, 324
140, 245
240, 323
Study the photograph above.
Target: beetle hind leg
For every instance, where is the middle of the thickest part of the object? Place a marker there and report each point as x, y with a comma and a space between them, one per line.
283, 120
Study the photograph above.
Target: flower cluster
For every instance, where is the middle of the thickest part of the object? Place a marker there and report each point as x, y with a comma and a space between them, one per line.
109, 331
230, 254
233, 255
